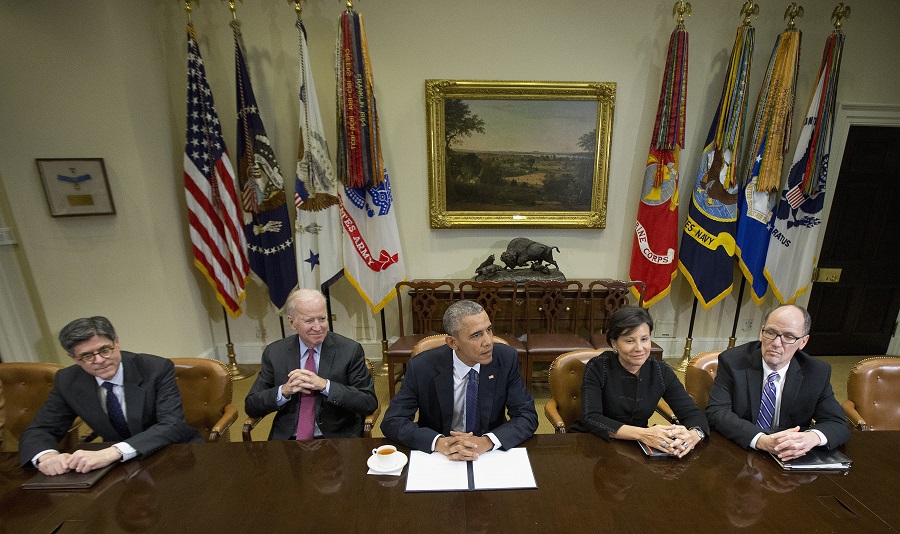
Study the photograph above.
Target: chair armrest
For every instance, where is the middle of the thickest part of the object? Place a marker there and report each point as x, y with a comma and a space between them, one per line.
370, 420
72, 438
249, 425
224, 423
663, 409
551, 410
856, 421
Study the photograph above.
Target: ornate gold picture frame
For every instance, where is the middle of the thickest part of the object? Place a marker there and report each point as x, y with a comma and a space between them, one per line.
518, 154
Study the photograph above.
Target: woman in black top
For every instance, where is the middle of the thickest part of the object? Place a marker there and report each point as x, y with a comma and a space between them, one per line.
622, 387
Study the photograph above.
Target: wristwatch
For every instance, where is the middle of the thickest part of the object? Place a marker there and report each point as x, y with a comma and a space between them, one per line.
699, 432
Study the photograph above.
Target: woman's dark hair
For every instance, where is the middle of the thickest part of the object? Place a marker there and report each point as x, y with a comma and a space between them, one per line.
625, 320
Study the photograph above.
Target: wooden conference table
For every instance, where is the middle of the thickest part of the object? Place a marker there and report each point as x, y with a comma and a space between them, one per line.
584, 484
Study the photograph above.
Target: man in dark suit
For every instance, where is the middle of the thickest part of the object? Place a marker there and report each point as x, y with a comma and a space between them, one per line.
440, 385
767, 393
129, 399
335, 390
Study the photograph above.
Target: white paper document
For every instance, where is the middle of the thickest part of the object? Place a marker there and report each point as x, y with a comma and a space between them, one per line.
494, 470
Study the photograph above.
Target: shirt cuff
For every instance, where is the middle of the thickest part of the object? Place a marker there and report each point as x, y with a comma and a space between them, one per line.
126, 450
822, 439
494, 439
327, 387
34, 461
280, 399
754, 440
434, 442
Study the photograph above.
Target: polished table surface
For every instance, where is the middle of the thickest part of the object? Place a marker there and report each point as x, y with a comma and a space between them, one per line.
584, 484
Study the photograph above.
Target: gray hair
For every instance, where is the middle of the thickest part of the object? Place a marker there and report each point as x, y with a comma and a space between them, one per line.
81, 330
807, 320
302, 295
459, 310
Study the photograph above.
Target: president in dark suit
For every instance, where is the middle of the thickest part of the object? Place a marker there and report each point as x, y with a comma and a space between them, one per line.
767, 393
327, 397
462, 392
129, 399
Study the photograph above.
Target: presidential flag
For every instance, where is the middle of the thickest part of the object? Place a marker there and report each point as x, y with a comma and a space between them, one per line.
653, 257
795, 232
320, 259
269, 240
707, 244
214, 213
373, 261
769, 142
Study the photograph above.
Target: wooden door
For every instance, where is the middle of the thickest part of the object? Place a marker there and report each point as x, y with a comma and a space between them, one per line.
856, 316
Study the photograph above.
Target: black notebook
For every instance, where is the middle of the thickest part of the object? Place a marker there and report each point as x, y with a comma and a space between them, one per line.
67, 481
817, 459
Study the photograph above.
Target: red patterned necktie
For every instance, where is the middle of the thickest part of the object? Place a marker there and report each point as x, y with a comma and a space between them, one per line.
307, 418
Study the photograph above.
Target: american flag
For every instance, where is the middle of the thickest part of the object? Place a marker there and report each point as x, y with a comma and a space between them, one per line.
214, 214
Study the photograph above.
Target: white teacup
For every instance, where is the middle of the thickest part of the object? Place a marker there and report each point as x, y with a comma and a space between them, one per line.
385, 456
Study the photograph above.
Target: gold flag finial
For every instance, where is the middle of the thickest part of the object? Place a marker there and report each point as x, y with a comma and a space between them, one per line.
749, 9
187, 8
840, 13
793, 12
297, 7
681, 7
231, 7
349, 6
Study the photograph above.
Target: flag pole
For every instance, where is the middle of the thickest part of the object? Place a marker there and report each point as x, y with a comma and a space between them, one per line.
237, 372
737, 314
384, 345
687, 342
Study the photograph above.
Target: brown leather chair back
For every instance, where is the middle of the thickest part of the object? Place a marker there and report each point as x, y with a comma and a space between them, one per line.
26, 387
206, 390
874, 389
566, 375
437, 340
699, 376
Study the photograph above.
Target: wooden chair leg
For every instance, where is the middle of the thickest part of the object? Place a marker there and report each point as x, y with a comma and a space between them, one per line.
390, 377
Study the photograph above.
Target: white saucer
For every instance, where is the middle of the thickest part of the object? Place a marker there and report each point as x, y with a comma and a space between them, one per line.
401, 461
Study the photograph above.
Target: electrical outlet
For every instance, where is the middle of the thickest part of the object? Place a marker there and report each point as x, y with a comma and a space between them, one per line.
747, 325
664, 329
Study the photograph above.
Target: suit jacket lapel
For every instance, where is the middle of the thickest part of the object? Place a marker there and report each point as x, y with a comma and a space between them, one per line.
326, 358
754, 384
443, 386
487, 386
87, 393
134, 394
792, 382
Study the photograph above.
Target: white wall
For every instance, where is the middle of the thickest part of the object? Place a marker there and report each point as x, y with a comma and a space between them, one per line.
107, 79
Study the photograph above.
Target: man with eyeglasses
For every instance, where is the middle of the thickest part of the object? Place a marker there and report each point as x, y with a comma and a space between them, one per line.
767, 393
317, 382
130, 400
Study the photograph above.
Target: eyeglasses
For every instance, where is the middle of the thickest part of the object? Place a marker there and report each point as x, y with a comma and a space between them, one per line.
87, 357
787, 339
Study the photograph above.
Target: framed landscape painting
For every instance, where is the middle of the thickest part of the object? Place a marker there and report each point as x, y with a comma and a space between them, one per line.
518, 154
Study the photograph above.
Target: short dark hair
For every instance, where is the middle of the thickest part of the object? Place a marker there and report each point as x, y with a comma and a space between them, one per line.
456, 312
81, 330
625, 320
807, 320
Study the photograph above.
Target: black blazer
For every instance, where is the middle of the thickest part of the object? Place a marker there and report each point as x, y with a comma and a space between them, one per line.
152, 404
735, 396
340, 414
428, 388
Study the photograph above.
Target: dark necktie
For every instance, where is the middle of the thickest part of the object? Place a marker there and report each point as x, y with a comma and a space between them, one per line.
306, 421
472, 403
114, 411
767, 404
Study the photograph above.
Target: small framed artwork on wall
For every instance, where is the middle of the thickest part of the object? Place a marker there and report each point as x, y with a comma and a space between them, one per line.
76, 186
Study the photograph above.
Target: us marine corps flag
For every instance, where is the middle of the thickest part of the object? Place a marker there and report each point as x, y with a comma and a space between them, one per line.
768, 144
653, 257
792, 243
707, 245
269, 240
373, 261
214, 215
320, 259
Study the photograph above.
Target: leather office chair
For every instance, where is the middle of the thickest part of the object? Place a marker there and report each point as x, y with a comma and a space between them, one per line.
206, 391
438, 340
2, 415
698, 380
492, 296
873, 394
427, 304
616, 296
26, 387
551, 320
368, 422
566, 374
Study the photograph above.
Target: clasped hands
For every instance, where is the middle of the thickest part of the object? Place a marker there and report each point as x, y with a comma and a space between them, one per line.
788, 444
673, 439
54, 463
463, 446
303, 381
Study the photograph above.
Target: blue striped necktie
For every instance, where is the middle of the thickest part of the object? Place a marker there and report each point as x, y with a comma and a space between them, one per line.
767, 404
115, 413
472, 403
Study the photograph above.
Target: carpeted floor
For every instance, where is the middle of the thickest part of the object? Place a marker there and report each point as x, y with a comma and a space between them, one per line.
840, 370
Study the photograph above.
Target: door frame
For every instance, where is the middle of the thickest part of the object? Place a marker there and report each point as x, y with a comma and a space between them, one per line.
852, 114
